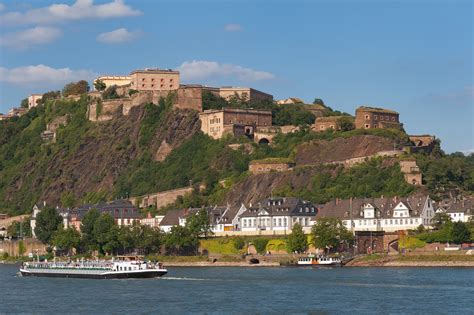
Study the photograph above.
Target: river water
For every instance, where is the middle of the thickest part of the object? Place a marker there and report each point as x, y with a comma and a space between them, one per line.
223, 290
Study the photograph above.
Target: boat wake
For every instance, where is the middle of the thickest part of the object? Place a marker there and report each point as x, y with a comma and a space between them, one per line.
187, 279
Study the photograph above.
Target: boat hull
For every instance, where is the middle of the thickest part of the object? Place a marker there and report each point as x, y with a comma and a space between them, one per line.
105, 275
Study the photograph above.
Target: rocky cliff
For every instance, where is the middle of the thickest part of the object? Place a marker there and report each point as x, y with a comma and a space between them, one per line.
94, 160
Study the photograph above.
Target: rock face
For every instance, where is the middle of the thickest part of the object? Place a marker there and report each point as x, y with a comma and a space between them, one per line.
101, 156
339, 149
257, 187
313, 153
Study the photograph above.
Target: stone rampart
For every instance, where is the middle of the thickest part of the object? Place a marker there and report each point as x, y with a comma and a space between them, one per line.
31, 245
160, 199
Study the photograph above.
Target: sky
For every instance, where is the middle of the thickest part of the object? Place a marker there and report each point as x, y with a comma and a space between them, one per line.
415, 57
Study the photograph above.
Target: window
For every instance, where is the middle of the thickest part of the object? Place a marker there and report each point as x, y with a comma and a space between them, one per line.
279, 221
367, 117
285, 222
274, 222
143, 85
161, 85
366, 126
171, 80
375, 117
143, 79
393, 118
152, 85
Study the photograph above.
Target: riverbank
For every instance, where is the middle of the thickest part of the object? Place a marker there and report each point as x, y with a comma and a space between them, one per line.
427, 260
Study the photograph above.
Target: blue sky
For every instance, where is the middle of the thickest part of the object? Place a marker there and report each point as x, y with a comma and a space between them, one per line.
415, 57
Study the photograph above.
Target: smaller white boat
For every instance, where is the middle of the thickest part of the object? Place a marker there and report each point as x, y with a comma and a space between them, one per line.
319, 261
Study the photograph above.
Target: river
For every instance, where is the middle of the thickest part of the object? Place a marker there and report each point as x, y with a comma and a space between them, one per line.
248, 290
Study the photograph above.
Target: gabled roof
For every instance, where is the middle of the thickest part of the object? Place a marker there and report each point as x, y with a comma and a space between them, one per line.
384, 207
172, 217
282, 206
465, 206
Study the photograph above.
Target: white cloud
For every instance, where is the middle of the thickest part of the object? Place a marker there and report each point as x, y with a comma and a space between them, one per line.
201, 69
120, 35
2, 6
41, 75
81, 9
233, 27
30, 37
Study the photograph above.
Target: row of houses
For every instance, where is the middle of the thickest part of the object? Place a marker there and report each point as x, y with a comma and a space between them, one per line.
278, 215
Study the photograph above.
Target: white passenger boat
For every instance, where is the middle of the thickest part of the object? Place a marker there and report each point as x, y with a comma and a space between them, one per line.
118, 268
320, 260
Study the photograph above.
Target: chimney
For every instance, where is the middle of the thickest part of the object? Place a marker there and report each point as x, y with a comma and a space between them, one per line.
462, 202
250, 205
44, 203
381, 197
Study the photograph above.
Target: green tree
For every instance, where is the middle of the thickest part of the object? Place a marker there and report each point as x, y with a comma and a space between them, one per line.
51, 95
112, 243
67, 239
102, 232
345, 123
295, 115
199, 224
20, 229
318, 101
24, 103
296, 241
99, 85
440, 219
48, 222
21, 248
110, 93
180, 240
260, 244
212, 101
150, 240
87, 229
76, 88
460, 233
329, 233
68, 200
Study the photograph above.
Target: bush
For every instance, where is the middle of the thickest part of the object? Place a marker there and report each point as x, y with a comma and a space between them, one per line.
110, 93
76, 88
239, 243
260, 244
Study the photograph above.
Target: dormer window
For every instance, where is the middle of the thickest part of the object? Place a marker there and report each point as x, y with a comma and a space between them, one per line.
362, 213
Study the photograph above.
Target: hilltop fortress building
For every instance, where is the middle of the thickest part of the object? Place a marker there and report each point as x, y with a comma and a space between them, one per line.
149, 85
154, 80
370, 117
217, 123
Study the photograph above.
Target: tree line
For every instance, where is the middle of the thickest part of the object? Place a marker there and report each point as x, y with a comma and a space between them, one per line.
99, 234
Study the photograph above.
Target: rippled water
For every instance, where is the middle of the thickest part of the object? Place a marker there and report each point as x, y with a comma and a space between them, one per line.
248, 290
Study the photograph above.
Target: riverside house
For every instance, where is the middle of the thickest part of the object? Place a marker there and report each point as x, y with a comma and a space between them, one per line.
278, 214
459, 210
381, 214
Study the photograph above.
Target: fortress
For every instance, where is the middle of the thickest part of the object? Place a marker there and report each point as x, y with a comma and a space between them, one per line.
149, 85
